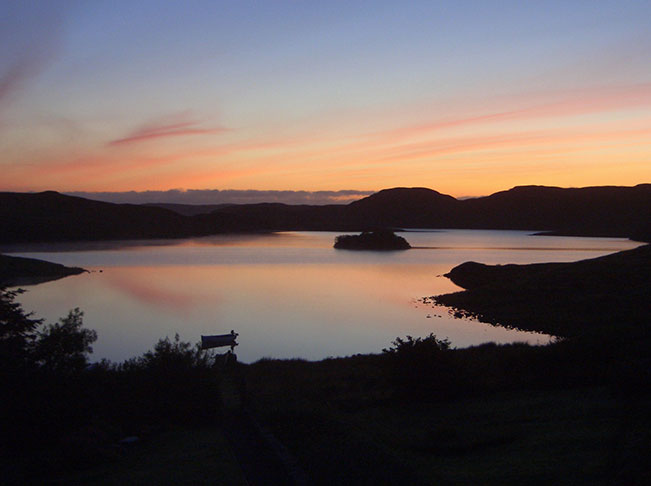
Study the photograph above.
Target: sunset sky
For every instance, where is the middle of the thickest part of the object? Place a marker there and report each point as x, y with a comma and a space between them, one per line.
465, 97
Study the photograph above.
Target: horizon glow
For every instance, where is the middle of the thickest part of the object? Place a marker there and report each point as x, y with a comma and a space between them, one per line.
462, 97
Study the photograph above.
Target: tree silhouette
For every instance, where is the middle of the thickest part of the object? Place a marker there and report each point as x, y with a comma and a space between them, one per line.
26, 344
63, 347
18, 332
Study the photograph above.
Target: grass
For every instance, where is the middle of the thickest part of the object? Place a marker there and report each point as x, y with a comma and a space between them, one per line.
176, 456
345, 427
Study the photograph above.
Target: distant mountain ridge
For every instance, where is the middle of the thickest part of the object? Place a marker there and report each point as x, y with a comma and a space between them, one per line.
598, 211
590, 211
188, 209
50, 216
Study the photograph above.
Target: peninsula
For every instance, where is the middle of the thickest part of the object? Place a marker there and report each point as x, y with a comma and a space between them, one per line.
16, 271
562, 299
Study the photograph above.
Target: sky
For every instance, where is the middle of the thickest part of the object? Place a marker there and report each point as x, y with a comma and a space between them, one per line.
464, 97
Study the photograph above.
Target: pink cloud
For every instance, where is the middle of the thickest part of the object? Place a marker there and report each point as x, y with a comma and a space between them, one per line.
30, 37
541, 105
512, 141
165, 128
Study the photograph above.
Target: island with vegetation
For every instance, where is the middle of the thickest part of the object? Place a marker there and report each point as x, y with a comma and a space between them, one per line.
382, 240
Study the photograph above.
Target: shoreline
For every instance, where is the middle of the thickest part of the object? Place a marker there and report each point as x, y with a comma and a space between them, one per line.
561, 299
17, 271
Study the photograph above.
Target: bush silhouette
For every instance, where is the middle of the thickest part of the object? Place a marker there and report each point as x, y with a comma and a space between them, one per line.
422, 367
61, 408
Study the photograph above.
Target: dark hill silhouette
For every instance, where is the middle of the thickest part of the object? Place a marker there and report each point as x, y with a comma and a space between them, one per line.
405, 207
188, 209
50, 216
283, 217
591, 211
594, 211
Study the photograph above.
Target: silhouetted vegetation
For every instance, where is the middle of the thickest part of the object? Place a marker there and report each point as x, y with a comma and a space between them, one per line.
372, 240
423, 413
408, 360
60, 411
174, 383
63, 348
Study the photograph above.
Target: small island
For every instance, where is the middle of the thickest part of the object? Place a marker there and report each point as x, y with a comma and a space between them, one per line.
372, 240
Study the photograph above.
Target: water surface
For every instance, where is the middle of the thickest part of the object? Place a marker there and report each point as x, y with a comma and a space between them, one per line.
287, 294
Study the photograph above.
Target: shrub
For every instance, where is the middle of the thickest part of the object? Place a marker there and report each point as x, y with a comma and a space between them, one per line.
417, 346
421, 367
175, 382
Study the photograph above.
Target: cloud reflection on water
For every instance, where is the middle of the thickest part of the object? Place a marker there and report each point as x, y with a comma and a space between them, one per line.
145, 285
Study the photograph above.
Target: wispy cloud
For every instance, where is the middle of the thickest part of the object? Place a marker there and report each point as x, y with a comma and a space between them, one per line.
537, 106
560, 141
15, 75
29, 37
170, 126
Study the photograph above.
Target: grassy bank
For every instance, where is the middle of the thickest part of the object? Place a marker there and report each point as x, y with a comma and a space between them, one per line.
350, 421
487, 415
180, 455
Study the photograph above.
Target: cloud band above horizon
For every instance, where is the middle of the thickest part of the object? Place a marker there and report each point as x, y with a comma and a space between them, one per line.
227, 196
